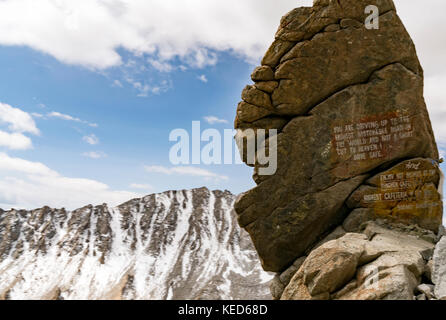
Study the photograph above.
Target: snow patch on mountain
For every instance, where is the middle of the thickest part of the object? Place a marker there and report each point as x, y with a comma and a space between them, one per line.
174, 245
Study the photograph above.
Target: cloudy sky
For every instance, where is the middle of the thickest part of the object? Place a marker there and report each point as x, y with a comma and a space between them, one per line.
91, 89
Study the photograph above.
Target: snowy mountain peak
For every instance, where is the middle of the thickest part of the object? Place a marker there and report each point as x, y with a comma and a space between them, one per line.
173, 245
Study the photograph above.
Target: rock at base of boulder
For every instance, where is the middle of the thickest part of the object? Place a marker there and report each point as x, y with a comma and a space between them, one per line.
378, 264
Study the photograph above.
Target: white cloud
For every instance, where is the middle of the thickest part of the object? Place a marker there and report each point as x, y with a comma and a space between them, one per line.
188, 171
67, 117
158, 169
89, 32
37, 115
213, 120
17, 120
91, 139
436, 101
15, 141
203, 78
27, 184
62, 116
94, 155
117, 83
24, 166
161, 66
426, 27
145, 89
141, 186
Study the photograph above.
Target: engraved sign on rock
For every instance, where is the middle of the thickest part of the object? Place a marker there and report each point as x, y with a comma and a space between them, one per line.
407, 193
371, 138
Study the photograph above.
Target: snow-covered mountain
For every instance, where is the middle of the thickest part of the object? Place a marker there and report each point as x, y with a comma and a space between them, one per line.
173, 245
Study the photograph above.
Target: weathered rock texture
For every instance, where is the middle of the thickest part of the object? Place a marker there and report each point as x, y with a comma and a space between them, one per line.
383, 261
439, 269
175, 245
354, 140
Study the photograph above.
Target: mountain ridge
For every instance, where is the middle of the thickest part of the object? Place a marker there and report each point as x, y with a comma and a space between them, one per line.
182, 244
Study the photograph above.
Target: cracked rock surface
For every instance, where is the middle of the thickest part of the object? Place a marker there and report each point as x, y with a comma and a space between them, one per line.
354, 144
381, 263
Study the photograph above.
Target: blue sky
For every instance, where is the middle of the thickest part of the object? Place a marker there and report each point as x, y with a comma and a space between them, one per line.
101, 84
115, 132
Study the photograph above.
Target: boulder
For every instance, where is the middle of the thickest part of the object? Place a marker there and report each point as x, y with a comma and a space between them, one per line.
331, 266
380, 263
348, 106
392, 283
427, 290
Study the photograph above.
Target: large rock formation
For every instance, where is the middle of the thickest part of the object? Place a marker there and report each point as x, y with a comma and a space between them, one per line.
175, 245
354, 143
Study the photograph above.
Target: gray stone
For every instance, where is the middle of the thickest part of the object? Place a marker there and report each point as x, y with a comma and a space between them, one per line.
439, 269
427, 290
276, 287
396, 246
382, 265
286, 276
441, 232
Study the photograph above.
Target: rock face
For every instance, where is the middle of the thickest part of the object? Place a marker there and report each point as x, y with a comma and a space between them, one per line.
174, 245
351, 109
354, 144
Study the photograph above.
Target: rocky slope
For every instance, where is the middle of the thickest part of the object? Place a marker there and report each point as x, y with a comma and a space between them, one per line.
354, 144
378, 261
174, 245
